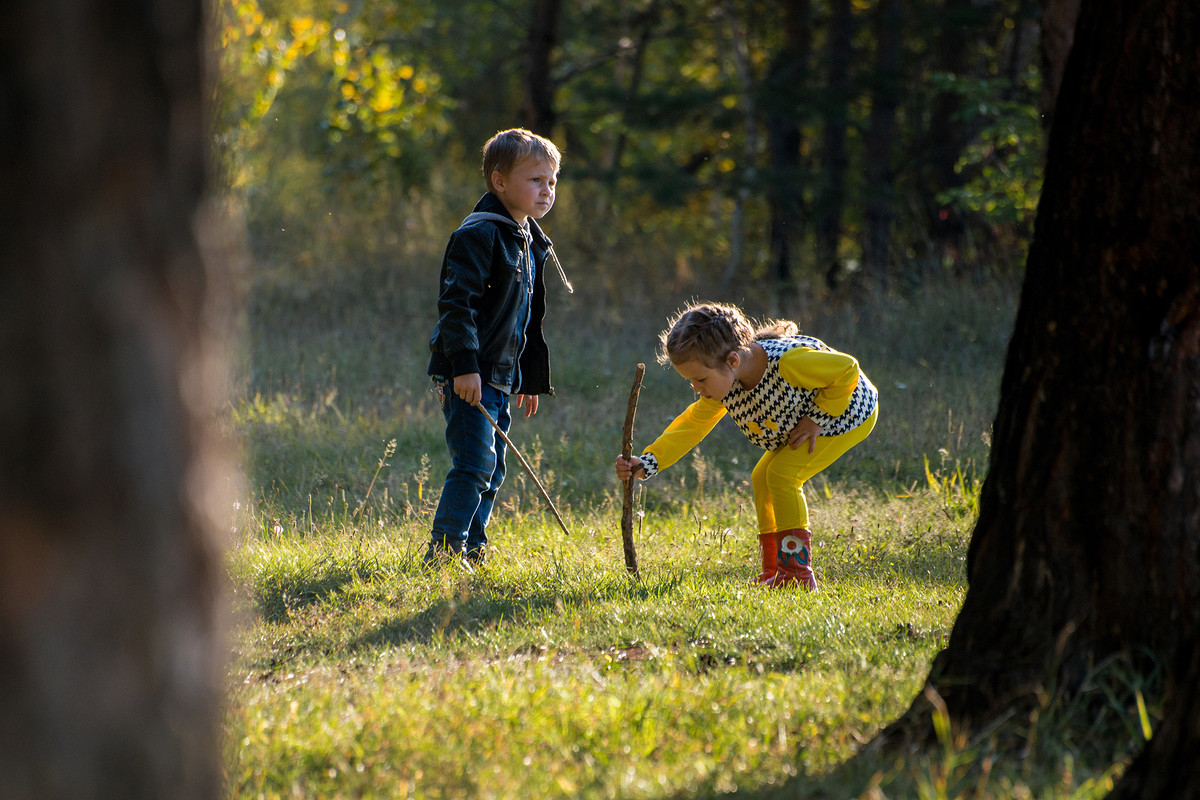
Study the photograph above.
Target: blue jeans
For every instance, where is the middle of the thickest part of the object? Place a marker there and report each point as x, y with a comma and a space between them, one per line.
477, 467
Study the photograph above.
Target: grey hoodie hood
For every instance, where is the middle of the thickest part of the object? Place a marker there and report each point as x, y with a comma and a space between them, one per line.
526, 233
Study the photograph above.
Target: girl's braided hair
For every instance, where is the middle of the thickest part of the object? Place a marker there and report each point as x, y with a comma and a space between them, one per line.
708, 332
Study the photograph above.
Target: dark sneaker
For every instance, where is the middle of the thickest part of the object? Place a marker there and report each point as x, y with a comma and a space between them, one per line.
476, 556
441, 553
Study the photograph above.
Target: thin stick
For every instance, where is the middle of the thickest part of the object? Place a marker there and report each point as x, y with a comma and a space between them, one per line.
626, 451
528, 469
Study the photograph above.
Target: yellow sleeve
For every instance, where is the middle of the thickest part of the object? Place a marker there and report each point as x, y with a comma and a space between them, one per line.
686, 431
832, 374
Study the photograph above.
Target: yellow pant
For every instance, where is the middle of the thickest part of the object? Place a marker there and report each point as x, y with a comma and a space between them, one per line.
779, 477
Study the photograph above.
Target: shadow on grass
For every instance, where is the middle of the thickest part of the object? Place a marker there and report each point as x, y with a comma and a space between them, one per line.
278, 597
474, 606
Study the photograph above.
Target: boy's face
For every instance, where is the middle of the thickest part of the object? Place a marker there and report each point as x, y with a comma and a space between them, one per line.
528, 188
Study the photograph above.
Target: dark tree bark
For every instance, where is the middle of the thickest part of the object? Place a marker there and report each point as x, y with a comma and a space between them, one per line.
1089, 530
540, 113
1167, 767
833, 153
881, 133
1058, 33
785, 90
109, 666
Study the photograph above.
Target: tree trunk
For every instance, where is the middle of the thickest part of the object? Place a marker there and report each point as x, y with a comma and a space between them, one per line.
109, 664
881, 133
1058, 33
540, 114
1167, 767
786, 88
945, 139
834, 159
749, 105
1089, 527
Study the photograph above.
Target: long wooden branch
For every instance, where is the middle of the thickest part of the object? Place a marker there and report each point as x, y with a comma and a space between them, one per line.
631, 563
528, 469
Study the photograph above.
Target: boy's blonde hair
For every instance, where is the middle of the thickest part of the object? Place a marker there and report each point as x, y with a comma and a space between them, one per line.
508, 148
708, 332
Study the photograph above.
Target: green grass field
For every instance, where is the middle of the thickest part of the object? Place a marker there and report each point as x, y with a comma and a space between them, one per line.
550, 672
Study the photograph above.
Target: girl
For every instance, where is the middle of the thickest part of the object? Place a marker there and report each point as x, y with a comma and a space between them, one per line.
801, 401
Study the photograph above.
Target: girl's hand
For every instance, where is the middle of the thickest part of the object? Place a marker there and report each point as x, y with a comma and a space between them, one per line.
629, 467
805, 430
529, 402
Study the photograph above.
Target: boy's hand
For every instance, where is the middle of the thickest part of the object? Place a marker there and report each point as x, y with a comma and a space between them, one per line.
469, 387
629, 467
529, 402
805, 430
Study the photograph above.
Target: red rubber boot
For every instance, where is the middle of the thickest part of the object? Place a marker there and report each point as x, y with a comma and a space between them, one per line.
793, 557
770, 559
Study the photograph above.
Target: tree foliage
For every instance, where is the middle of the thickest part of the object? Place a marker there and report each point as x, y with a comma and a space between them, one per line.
668, 112
318, 78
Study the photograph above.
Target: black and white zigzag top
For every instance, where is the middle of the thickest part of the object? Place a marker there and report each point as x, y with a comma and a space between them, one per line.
767, 411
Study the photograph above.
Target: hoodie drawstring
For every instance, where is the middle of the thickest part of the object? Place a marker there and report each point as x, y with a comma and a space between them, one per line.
527, 235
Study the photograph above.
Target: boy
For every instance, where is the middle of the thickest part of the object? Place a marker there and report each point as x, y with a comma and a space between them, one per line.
488, 341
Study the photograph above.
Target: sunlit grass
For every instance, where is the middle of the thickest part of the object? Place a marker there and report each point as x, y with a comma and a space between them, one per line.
551, 672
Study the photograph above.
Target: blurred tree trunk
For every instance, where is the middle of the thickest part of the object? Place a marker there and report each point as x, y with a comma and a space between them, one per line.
109, 570
1021, 48
634, 63
945, 138
1089, 527
786, 88
881, 133
834, 159
539, 111
1058, 33
749, 106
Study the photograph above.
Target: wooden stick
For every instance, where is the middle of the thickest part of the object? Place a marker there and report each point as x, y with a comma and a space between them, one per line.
528, 469
627, 451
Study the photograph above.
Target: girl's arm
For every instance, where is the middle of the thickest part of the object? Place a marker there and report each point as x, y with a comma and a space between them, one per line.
684, 433
833, 375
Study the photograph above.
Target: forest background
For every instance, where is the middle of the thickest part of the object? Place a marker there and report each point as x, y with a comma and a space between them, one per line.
824, 161
868, 168
783, 148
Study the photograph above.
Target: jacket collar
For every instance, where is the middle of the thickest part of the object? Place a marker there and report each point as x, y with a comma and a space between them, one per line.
490, 207
490, 204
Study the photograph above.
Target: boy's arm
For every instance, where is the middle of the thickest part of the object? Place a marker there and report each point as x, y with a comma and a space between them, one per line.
464, 280
833, 375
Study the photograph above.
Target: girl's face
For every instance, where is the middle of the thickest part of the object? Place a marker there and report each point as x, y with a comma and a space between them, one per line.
528, 188
711, 382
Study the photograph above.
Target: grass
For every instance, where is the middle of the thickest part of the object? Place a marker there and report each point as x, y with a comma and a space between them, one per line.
550, 672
